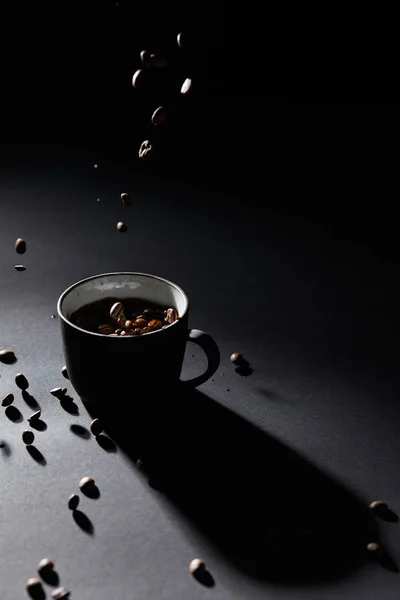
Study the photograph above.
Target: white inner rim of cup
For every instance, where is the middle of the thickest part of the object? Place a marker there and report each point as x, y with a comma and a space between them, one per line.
123, 284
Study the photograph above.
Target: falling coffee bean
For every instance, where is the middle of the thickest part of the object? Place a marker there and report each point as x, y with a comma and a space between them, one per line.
105, 329
159, 116
86, 484
196, 566
186, 86
73, 502
60, 593
374, 548
28, 437
64, 372
126, 201
137, 78
7, 356
96, 427
145, 150
122, 227
36, 415
21, 381
121, 320
236, 357
378, 505
45, 565
20, 267
20, 246
8, 399
34, 587
116, 310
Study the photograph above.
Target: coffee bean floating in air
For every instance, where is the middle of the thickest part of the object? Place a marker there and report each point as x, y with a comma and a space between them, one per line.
121, 227
34, 587
96, 427
186, 86
145, 150
374, 548
159, 116
64, 372
7, 356
60, 593
20, 246
8, 399
44, 566
197, 566
116, 310
20, 267
86, 484
73, 502
21, 381
28, 437
126, 201
137, 78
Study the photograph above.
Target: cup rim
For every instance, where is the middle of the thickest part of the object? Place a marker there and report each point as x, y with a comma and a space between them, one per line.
128, 337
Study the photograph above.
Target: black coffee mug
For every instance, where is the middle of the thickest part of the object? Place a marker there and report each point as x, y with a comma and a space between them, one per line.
110, 370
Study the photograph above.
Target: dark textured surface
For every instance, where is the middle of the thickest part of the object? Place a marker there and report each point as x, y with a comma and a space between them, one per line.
268, 476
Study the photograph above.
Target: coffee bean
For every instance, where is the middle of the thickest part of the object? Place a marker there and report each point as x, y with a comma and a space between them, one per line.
64, 371
155, 324
34, 587
137, 78
122, 227
129, 332
28, 437
8, 399
118, 331
121, 320
236, 357
374, 547
171, 316
73, 501
45, 565
96, 427
58, 392
116, 310
7, 356
378, 505
147, 330
140, 464
142, 317
186, 86
138, 331
86, 484
145, 58
20, 267
140, 323
113, 335
180, 39
20, 246
60, 593
145, 150
123, 333
197, 565
126, 201
105, 329
128, 324
159, 116
21, 381
35, 416
157, 61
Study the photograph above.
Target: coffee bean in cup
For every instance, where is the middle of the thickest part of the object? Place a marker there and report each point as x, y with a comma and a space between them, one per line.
123, 317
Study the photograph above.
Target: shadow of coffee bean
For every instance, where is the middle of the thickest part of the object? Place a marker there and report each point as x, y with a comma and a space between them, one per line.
36, 455
83, 522
14, 414
5, 448
80, 430
30, 400
244, 370
204, 577
93, 492
69, 405
38, 424
387, 562
50, 576
386, 514
106, 443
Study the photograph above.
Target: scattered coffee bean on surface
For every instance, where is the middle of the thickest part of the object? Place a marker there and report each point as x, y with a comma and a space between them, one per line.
21, 381
33, 586
116, 310
58, 392
20, 267
86, 484
105, 329
159, 116
45, 565
374, 547
197, 565
73, 502
96, 427
60, 593
28, 437
126, 201
8, 399
137, 78
236, 357
35, 416
7, 356
20, 246
122, 227
186, 86
378, 505
64, 372
171, 316
145, 150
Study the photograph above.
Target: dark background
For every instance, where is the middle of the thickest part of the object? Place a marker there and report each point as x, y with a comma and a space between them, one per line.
272, 203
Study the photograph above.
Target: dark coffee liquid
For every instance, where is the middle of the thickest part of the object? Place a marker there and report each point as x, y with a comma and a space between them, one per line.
91, 315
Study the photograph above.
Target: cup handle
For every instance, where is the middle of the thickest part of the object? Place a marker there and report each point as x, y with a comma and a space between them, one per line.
211, 350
